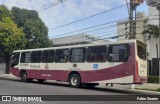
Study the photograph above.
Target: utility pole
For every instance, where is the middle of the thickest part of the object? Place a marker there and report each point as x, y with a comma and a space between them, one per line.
158, 8
131, 20
133, 5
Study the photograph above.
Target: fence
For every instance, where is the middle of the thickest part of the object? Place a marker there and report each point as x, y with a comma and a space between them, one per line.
2, 68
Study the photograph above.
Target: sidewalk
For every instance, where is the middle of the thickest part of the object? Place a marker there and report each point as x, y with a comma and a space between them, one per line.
9, 76
148, 86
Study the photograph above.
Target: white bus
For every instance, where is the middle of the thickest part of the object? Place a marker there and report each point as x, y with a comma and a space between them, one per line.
88, 64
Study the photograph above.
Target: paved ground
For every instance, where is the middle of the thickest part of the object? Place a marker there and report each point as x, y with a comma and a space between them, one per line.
9, 86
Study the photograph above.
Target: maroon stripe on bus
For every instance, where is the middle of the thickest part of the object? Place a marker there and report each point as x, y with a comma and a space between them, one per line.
123, 70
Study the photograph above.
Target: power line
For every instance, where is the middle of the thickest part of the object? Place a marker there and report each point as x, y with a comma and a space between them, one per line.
90, 27
98, 28
99, 37
98, 34
88, 17
127, 7
51, 5
90, 30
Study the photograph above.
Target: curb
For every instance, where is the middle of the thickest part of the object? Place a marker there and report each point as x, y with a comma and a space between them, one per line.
7, 76
144, 91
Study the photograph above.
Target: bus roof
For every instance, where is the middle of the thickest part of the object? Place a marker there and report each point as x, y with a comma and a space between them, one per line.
73, 46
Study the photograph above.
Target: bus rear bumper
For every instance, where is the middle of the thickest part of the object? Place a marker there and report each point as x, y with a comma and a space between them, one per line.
140, 80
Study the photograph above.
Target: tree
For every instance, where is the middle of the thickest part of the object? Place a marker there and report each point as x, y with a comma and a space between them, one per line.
152, 31
11, 38
4, 12
34, 28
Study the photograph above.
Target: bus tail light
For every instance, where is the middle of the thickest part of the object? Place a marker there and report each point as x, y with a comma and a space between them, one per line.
136, 72
136, 67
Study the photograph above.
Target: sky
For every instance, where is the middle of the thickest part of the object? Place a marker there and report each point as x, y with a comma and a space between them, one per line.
72, 10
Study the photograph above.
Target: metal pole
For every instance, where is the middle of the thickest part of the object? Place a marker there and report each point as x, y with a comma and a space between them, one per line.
135, 23
158, 8
159, 43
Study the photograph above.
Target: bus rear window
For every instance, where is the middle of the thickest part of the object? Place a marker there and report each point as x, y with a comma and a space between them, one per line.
141, 51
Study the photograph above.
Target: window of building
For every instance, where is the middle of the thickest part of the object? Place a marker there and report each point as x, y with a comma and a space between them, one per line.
97, 54
118, 53
36, 56
48, 56
78, 54
62, 55
25, 57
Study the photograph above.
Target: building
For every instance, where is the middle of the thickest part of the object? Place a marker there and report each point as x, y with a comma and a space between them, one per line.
123, 27
76, 39
152, 58
141, 22
123, 30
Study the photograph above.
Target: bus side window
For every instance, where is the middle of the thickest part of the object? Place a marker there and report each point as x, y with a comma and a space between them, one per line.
118, 53
48, 56
62, 55
25, 57
97, 54
36, 56
78, 55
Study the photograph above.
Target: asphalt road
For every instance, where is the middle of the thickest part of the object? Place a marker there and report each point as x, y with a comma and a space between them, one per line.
15, 87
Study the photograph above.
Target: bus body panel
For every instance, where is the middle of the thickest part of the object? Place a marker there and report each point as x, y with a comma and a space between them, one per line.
90, 72
141, 63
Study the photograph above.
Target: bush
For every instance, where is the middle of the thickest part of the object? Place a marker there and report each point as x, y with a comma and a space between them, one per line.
158, 89
153, 79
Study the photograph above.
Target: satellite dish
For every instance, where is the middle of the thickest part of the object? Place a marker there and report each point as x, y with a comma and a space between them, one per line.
153, 3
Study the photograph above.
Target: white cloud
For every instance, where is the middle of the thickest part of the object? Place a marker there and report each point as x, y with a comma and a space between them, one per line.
68, 11
71, 10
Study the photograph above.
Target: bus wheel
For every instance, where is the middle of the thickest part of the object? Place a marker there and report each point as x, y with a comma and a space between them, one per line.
29, 80
75, 81
23, 76
40, 80
89, 85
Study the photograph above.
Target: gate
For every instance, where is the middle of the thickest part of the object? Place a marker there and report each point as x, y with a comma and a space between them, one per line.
155, 67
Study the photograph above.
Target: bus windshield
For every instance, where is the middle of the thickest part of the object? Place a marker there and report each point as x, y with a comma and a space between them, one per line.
141, 50
15, 59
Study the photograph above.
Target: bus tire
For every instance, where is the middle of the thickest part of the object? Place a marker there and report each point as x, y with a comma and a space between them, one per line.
89, 85
75, 80
23, 76
29, 80
41, 80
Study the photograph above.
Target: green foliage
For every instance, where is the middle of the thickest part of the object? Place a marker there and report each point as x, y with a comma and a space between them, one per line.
158, 89
153, 79
34, 28
151, 31
4, 12
11, 37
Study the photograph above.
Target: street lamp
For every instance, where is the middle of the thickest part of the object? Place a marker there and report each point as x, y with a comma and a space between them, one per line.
156, 3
